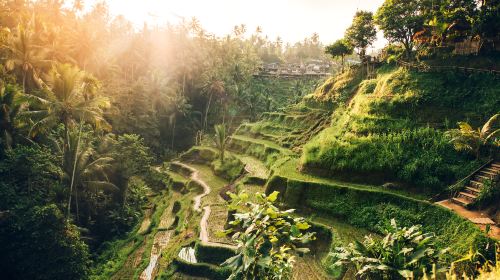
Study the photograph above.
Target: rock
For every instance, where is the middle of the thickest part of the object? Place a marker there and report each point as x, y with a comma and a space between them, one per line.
391, 186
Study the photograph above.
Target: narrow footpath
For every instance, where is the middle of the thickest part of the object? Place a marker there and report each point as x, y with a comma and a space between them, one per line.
204, 236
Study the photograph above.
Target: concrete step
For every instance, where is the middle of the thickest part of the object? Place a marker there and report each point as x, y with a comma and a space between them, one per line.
472, 190
482, 178
496, 164
487, 173
467, 195
477, 184
460, 201
492, 170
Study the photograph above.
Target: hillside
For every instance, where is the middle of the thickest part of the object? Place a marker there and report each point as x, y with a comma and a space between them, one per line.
352, 156
390, 128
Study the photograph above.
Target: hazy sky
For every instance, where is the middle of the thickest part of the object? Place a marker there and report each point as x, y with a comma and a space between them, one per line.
293, 20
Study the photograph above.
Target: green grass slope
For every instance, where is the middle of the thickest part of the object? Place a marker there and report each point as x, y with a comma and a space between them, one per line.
392, 128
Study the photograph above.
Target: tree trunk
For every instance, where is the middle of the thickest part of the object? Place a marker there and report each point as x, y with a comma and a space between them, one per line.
24, 81
184, 84
77, 208
173, 132
205, 123
74, 169
342, 58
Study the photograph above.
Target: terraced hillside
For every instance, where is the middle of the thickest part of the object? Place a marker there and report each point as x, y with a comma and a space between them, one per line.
179, 238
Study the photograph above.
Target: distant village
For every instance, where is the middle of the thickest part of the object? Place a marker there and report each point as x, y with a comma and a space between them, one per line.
309, 68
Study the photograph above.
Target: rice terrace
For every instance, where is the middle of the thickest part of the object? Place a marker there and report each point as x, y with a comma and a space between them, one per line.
241, 140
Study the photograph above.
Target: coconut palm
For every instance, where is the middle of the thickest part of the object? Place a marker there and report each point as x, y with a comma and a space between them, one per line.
180, 107
213, 86
85, 168
12, 104
468, 139
25, 55
72, 99
220, 139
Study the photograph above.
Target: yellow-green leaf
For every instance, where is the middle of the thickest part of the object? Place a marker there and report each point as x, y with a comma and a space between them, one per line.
303, 225
272, 197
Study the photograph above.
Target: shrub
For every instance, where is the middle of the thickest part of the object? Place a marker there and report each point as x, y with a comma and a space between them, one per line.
231, 168
490, 192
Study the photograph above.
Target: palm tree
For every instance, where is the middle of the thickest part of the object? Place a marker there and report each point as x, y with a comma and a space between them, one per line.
25, 55
12, 104
212, 86
220, 139
86, 170
72, 98
466, 138
181, 107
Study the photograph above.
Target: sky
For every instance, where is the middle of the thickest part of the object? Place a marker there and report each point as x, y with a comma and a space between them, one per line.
292, 20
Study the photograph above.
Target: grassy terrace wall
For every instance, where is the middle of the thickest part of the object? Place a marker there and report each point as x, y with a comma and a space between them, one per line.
266, 151
212, 254
204, 270
373, 209
230, 169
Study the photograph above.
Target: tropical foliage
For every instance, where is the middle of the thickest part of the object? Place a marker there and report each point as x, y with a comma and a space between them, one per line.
471, 140
220, 140
404, 253
268, 238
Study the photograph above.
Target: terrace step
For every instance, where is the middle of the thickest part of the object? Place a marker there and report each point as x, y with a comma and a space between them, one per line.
467, 195
493, 170
482, 178
476, 183
460, 201
488, 173
472, 190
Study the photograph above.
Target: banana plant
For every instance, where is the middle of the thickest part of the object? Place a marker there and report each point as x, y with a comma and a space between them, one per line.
404, 253
469, 139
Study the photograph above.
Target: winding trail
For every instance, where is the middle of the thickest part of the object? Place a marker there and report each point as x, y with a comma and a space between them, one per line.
204, 236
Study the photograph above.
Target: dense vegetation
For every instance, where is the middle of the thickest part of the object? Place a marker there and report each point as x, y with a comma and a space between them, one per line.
91, 109
88, 104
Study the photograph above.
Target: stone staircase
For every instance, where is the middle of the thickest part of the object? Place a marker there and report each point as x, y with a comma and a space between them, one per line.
475, 183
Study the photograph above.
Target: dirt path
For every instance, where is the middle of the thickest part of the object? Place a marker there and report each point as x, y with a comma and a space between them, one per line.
195, 176
477, 217
204, 236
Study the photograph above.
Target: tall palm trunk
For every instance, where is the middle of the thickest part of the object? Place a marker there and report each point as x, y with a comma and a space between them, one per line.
173, 131
77, 208
74, 169
24, 81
